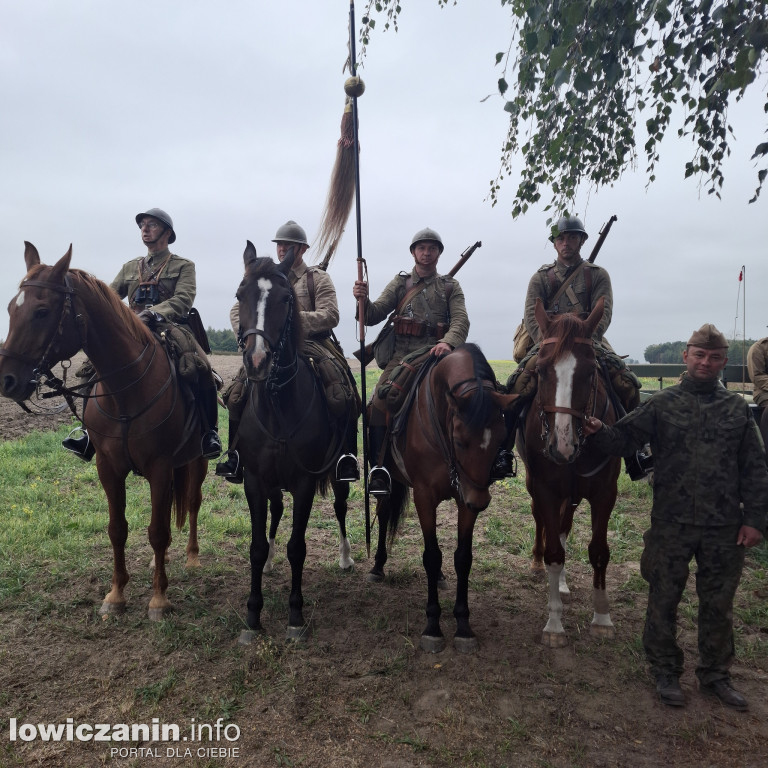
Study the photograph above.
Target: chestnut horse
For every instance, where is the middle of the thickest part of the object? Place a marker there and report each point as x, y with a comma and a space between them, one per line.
562, 468
445, 449
136, 413
287, 437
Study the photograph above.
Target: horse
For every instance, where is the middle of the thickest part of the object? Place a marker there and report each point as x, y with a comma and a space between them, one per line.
136, 413
562, 467
444, 448
287, 438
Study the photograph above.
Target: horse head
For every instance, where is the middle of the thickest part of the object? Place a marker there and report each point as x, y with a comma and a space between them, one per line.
567, 380
474, 421
269, 326
41, 330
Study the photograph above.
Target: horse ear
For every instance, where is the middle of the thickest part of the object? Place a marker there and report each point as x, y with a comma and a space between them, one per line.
249, 254
61, 267
596, 315
287, 262
31, 256
541, 316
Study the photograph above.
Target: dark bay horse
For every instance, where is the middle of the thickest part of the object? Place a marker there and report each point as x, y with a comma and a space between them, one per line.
561, 466
287, 438
445, 449
136, 414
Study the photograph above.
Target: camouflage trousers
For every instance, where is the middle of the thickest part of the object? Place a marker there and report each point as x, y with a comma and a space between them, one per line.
669, 548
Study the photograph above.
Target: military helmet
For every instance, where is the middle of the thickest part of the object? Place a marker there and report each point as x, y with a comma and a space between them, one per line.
160, 215
427, 235
568, 224
291, 232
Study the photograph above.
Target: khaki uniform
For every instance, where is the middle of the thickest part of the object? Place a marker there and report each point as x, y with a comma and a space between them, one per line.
176, 277
757, 362
432, 306
708, 461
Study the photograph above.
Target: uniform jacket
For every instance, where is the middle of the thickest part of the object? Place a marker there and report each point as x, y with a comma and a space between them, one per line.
539, 286
708, 455
757, 361
316, 322
429, 305
177, 278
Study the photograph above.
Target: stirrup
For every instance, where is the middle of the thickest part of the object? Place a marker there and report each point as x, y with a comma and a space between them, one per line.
347, 468
230, 467
210, 445
379, 481
81, 446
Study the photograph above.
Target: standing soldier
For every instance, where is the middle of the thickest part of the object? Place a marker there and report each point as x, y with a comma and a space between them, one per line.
430, 312
710, 501
757, 362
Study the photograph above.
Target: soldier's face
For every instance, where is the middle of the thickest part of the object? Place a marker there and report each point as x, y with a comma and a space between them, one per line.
568, 245
426, 254
704, 364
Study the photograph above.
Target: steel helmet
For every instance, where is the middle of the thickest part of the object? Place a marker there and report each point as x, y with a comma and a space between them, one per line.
427, 235
160, 215
568, 224
291, 232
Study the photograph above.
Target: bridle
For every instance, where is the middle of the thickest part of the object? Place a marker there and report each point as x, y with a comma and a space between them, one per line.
581, 415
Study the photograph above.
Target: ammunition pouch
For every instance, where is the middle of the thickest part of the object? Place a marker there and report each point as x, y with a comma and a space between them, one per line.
394, 392
234, 396
410, 326
339, 388
190, 360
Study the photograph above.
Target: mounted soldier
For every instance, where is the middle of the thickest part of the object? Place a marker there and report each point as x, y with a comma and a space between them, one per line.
571, 284
161, 288
429, 317
319, 315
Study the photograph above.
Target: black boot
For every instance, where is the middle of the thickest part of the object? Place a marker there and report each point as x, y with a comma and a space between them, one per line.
639, 464
347, 468
209, 416
379, 481
211, 444
81, 446
504, 465
231, 469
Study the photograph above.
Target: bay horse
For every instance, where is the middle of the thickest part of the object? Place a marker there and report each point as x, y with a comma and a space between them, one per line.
562, 467
136, 413
445, 449
287, 438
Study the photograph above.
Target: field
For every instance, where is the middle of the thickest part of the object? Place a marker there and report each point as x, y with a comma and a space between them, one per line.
359, 692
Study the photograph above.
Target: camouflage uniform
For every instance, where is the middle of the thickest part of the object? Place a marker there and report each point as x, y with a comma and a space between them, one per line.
708, 459
757, 361
176, 278
430, 305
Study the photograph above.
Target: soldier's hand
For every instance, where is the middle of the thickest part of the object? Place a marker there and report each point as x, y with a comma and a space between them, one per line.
748, 536
441, 348
592, 425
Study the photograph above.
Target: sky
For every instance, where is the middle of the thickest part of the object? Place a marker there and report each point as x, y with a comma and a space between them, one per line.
227, 115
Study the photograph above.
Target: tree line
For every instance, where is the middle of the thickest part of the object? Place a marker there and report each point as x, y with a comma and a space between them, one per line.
672, 351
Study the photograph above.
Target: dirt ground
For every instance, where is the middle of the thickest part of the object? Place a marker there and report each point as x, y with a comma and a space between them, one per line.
360, 692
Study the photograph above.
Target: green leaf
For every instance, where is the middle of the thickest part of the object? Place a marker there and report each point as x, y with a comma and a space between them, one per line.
531, 41
558, 56
503, 86
499, 56
583, 82
563, 75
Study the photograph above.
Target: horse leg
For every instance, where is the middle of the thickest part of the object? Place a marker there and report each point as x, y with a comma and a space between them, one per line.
159, 534
257, 506
599, 555
553, 635
196, 472
340, 496
432, 639
303, 496
276, 508
114, 487
464, 640
380, 558
562, 584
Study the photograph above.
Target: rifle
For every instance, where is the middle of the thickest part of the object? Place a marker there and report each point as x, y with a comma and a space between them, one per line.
366, 354
601, 239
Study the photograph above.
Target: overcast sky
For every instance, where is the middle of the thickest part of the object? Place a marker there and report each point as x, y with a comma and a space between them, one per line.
227, 116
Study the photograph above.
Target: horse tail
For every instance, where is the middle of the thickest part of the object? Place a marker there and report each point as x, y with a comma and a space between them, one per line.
395, 507
181, 494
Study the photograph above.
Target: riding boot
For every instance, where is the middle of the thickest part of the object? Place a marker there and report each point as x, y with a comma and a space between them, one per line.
209, 415
81, 446
231, 469
347, 467
379, 481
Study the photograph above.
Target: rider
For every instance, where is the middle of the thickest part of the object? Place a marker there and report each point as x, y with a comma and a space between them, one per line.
319, 313
434, 315
584, 283
161, 287
757, 363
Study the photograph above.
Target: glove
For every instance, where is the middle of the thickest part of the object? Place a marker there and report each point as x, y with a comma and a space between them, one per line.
150, 318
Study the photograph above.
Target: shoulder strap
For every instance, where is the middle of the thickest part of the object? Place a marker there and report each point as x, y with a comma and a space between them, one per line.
568, 280
311, 288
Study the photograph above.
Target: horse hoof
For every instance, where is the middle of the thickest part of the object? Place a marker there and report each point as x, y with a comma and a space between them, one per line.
432, 644
602, 631
193, 562
554, 639
158, 614
375, 577
247, 636
298, 634
267, 567
112, 609
465, 644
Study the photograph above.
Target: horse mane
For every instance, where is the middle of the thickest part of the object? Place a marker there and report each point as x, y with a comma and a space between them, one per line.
565, 329
264, 266
107, 296
481, 403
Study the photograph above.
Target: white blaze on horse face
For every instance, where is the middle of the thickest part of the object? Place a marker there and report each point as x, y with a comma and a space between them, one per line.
259, 353
564, 371
486, 441
20, 299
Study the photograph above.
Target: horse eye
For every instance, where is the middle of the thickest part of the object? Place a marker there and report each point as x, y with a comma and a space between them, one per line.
41, 312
